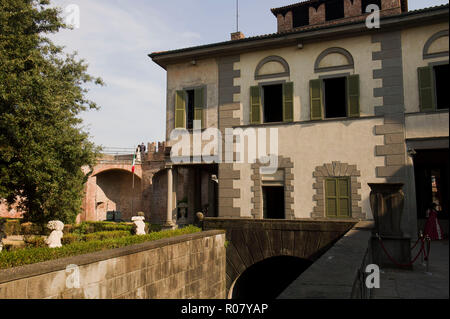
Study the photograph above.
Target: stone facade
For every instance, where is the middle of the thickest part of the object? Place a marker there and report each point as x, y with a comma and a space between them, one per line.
184, 267
337, 169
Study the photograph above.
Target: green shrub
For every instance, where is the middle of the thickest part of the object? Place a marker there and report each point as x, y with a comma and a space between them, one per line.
106, 235
34, 241
40, 254
11, 227
93, 227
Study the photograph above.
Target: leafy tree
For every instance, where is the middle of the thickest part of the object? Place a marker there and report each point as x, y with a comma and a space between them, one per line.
42, 93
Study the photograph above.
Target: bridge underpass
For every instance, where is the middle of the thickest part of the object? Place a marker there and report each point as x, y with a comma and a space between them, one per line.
265, 256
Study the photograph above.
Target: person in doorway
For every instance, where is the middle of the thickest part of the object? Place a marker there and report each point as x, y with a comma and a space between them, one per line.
433, 228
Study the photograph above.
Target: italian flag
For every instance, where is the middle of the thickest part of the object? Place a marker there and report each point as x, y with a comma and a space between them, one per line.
134, 163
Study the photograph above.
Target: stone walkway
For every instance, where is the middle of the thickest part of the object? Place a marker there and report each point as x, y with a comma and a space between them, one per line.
417, 284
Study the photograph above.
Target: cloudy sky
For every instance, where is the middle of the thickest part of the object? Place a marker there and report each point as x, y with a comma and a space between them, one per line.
115, 37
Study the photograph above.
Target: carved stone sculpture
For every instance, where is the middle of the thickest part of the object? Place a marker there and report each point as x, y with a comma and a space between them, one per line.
54, 240
2, 234
139, 225
387, 202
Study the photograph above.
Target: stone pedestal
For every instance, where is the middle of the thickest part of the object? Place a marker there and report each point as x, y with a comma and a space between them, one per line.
387, 203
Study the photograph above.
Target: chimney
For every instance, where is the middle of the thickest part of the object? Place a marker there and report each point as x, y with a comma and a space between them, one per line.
237, 36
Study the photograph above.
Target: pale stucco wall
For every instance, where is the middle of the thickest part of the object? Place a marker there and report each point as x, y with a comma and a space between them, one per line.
311, 145
301, 63
186, 75
427, 125
413, 42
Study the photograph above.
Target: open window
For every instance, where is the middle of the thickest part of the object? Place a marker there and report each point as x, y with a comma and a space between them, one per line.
300, 16
441, 78
334, 9
366, 3
335, 97
189, 107
272, 103
433, 93
273, 202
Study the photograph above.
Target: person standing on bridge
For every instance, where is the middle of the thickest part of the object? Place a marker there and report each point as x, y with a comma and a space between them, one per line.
433, 228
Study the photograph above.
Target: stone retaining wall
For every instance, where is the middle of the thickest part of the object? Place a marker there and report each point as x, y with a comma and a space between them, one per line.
188, 266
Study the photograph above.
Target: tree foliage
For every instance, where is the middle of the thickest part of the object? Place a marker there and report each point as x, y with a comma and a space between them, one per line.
42, 93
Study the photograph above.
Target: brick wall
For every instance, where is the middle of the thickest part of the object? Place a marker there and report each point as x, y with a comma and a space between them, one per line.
189, 266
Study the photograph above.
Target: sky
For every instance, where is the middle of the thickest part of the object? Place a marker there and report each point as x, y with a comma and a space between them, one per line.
115, 37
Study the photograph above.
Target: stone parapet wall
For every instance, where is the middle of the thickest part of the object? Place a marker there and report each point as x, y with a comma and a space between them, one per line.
189, 266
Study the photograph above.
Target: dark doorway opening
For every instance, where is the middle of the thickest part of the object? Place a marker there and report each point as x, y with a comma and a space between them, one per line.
335, 97
366, 3
273, 103
190, 109
267, 279
300, 16
431, 170
334, 9
273, 202
441, 78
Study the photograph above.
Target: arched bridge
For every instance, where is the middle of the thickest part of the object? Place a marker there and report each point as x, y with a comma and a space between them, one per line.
255, 244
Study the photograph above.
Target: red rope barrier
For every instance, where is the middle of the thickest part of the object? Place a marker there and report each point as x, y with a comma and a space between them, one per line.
395, 262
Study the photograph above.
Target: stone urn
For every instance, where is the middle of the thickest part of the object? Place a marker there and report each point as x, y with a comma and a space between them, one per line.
387, 202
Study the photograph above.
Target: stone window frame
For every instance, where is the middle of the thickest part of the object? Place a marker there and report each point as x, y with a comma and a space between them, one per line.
336, 170
272, 58
286, 164
430, 41
350, 61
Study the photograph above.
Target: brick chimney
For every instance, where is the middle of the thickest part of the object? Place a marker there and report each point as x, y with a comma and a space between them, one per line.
237, 36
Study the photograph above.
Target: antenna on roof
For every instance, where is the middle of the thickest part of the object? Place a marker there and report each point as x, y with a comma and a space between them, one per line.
237, 15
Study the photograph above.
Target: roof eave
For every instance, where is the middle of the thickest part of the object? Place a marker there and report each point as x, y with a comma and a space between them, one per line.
285, 39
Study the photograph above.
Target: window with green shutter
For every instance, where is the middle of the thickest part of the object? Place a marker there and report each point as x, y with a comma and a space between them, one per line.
288, 102
315, 89
353, 96
426, 89
338, 197
199, 105
180, 109
255, 105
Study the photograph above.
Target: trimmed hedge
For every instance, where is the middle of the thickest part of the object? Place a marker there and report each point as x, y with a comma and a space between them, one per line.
40, 254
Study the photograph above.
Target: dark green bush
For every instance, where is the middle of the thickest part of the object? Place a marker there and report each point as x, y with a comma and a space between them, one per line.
34, 241
40, 254
11, 227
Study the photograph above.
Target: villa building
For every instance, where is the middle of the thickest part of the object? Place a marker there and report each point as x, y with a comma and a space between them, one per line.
352, 103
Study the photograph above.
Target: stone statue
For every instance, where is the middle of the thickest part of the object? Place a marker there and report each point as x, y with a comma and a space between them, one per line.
139, 225
2, 233
54, 240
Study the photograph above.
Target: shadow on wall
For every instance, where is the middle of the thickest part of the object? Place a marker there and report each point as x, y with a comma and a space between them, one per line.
269, 278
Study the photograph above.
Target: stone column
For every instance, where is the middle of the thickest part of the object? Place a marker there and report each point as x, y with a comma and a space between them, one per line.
169, 218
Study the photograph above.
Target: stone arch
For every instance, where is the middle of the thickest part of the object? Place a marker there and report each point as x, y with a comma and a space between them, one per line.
427, 53
337, 169
333, 59
101, 168
253, 240
272, 67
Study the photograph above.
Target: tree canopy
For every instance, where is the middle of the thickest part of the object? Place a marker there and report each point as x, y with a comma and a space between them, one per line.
42, 93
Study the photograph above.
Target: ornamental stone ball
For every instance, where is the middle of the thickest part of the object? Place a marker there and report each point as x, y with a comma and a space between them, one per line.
139, 225
54, 240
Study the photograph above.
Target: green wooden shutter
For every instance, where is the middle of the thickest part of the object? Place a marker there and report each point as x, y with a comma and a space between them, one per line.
199, 105
180, 109
353, 96
344, 203
255, 105
316, 99
288, 102
337, 197
331, 197
426, 89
